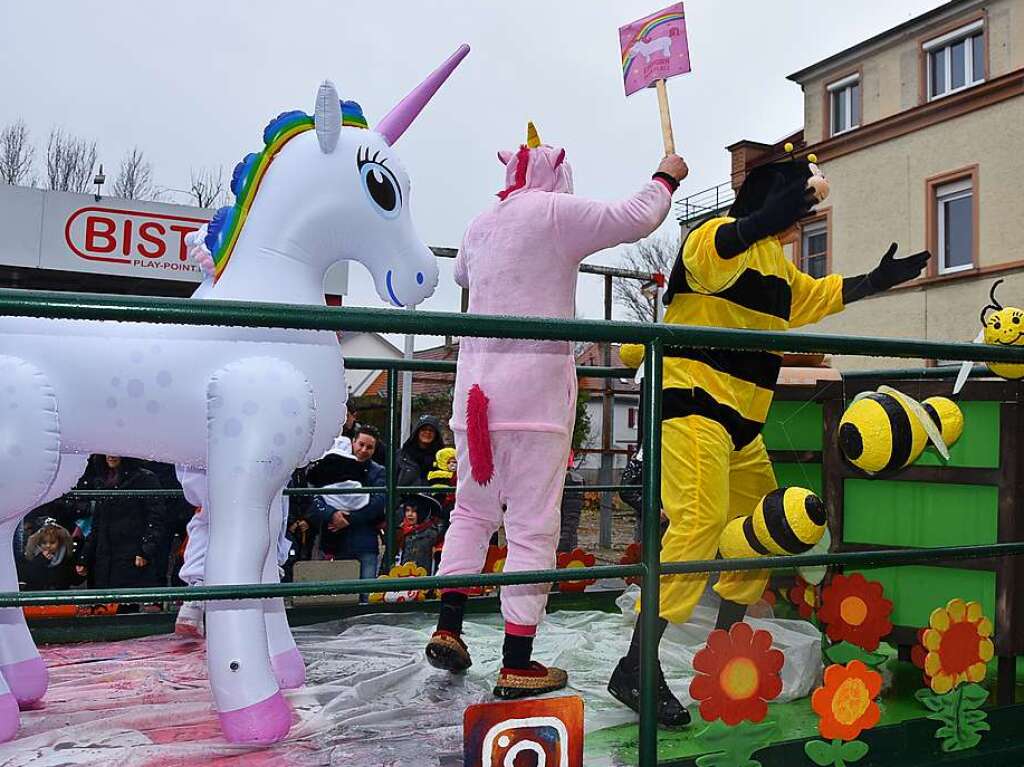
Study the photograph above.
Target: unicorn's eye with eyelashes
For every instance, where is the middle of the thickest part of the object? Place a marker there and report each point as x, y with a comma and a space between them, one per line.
380, 183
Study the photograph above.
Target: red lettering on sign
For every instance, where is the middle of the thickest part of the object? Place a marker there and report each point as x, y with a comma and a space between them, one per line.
144, 233
104, 234
126, 240
183, 231
93, 233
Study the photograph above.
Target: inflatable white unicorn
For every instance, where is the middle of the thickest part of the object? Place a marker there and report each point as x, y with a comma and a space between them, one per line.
244, 405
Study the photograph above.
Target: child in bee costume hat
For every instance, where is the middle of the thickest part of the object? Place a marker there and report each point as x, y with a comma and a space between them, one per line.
515, 400
732, 273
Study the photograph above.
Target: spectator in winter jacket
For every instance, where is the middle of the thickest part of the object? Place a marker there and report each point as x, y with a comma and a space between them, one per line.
349, 523
353, 426
416, 458
128, 532
419, 531
49, 559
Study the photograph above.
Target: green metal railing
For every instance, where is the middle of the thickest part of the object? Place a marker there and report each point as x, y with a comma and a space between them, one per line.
656, 338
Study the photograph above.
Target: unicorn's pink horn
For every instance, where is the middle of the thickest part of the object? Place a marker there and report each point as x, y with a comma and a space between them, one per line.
395, 122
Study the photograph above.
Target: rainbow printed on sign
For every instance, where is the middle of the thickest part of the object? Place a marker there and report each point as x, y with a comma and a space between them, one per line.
654, 48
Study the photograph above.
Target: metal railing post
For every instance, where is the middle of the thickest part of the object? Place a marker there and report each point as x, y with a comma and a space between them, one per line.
650, 586
393, 424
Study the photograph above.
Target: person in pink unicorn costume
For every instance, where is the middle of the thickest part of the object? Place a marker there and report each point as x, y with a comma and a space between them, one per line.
515, 400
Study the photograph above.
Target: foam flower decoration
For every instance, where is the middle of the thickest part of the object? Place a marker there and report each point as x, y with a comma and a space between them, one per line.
575, 559
632, 556
854, 610
918, 654
846, 703
959, 645
408, 570
805, 597
737, 674
495, 561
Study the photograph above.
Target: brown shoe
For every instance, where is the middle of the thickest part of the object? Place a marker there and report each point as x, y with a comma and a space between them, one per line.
447, 651
524, 682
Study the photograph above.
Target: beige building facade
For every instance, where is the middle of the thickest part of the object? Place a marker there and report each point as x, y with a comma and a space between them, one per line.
920, 131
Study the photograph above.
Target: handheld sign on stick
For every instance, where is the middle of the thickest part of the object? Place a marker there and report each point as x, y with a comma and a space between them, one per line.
654, 48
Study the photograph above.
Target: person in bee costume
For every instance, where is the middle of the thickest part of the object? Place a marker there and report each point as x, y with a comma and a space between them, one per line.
732, 273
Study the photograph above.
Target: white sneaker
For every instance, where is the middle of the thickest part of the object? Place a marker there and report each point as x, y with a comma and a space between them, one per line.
190, 622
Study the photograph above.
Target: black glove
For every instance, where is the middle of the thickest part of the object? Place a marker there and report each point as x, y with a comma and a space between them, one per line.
889, 273
780, 213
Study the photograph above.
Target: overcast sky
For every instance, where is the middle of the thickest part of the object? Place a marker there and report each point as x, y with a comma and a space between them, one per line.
193, 82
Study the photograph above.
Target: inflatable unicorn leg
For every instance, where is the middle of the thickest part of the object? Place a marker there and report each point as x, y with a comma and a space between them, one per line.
285, 658
32, 472
249, 460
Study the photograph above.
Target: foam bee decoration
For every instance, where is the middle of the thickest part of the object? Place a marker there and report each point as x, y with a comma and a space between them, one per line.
884, 431
789, 520
1005, 327
817, 180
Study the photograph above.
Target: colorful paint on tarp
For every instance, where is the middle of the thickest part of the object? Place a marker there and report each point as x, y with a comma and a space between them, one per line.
550, 729
654, 48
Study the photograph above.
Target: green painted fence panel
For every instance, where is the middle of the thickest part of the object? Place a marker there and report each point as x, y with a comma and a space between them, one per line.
920, 514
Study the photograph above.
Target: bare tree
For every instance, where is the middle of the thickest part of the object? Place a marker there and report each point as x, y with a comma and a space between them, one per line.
16, 155
69, 162
655, 254
134, 179
207, 187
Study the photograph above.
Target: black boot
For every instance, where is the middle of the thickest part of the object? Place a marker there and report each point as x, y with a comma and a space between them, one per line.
625, 688
729, 613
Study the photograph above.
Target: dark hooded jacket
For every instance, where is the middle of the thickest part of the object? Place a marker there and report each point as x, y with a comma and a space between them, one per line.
123, 527
414, 462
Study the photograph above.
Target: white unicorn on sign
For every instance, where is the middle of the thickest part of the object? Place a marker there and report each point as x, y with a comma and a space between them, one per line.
244, 405
662, 45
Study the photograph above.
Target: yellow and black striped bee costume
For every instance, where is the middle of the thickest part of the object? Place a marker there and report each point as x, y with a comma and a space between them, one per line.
715, 467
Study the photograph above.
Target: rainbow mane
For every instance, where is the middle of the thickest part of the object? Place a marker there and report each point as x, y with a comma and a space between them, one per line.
222, 232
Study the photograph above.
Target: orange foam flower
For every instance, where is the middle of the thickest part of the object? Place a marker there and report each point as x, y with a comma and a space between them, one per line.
804, 596
846, 704
854, 610
737, 674
495, 561
631, 557
959, 645
573, 559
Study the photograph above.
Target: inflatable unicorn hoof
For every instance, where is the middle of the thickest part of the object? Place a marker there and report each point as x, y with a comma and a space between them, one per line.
27, 680
289, 669
9, 717
261, 723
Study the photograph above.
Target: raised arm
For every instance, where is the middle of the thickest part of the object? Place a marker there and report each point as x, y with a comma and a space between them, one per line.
583, 226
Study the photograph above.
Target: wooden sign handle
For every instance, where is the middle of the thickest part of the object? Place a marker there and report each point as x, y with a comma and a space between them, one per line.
666, 118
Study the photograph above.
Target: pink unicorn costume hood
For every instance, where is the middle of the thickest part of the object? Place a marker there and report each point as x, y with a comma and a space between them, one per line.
535, 166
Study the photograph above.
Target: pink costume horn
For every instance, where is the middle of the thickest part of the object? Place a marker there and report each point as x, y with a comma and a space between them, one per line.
395, 122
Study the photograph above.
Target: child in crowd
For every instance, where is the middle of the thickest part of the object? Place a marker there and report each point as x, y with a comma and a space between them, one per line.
49, 559
419, 531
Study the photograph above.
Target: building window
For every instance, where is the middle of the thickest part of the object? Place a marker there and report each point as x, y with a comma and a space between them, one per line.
844, 104
956, 60
954, 222
814, 249
632, 415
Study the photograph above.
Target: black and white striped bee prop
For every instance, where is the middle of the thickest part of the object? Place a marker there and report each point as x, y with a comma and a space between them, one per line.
884, 431
789, 520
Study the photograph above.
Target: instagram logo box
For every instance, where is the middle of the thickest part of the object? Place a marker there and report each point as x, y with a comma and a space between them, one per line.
549, 729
